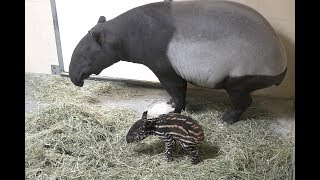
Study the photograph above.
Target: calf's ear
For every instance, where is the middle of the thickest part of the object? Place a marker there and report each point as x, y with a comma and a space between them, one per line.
144, 115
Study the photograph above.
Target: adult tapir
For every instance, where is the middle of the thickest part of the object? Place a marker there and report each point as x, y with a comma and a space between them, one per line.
211, 44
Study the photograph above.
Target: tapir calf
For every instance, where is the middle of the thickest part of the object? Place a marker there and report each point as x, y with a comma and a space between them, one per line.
210, 44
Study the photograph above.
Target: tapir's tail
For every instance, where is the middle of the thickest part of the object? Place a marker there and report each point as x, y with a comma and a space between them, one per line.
279, 78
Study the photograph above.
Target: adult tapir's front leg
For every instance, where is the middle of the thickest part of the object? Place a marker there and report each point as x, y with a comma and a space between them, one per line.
175, 86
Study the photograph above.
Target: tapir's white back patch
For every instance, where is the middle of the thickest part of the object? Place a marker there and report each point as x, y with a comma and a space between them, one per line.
222, 39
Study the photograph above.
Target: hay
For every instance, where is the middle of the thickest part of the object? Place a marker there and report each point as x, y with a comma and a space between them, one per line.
54, 88
72, 140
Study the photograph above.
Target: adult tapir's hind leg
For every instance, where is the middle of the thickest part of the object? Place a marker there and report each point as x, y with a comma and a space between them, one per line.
240, 101
239, 89
175, 86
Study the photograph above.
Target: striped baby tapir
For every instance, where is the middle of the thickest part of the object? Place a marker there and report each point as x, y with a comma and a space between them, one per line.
170, 128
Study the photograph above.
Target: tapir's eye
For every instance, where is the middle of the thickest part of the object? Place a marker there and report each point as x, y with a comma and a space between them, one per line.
84, 58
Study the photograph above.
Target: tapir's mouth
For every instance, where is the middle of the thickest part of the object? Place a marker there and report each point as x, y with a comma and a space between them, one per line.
130, 140
80, 79
80, 83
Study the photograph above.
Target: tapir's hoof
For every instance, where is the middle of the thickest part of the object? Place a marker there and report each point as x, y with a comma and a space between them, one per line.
231, 117
170, 101
194, 161
169, 159
177, 111
173, 105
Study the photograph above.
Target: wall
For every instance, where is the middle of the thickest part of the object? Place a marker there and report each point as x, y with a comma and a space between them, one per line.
41, 49
73, 26
40, 45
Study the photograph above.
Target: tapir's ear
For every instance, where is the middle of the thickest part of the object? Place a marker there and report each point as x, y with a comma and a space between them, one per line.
102, 19
97, 36
144, 115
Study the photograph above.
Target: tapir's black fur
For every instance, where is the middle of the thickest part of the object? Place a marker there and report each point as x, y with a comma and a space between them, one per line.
142, 36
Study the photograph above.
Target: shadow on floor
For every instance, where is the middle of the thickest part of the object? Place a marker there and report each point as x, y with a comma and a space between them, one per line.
206, 150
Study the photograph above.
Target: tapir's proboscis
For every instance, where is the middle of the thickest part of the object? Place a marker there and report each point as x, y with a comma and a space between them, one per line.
210, 44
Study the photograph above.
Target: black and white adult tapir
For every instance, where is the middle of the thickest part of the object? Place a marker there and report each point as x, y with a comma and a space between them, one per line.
170, 128
210, 44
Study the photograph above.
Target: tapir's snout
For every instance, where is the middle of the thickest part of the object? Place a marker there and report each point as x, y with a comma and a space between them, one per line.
78, 71
77, 83
76, 75
129, 139
78, 80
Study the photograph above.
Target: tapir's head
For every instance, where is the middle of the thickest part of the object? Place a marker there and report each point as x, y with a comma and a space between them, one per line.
95, 52
140, 129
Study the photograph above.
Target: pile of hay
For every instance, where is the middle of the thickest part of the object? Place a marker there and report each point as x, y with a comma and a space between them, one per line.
54, 88
71, 140
75, 141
